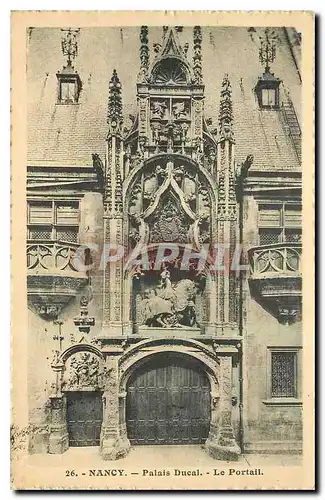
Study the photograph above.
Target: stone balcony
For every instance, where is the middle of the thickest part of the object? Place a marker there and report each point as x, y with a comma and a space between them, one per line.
275, 279
53, 278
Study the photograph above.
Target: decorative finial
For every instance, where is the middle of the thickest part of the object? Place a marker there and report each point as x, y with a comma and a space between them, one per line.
144, 52
69, 44
114, 112
83, 321
59, 338
267, 50
197, 57
225, 111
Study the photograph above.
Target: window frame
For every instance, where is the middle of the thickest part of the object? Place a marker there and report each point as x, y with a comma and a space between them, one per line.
283, 228
53, 226
68, 77
267, 90
69, 82
272, 400
266, 83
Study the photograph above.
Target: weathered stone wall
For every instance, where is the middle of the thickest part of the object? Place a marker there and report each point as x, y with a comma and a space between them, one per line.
263, 422
267, 427
41, 345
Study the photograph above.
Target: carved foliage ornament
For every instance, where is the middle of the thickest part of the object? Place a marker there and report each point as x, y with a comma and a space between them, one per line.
226, 111
144, 53
197, 56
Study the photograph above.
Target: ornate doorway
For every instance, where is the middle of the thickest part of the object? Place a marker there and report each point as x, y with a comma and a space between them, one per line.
84, 417
168, 401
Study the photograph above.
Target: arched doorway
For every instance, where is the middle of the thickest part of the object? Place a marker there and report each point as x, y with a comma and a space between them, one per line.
168, 401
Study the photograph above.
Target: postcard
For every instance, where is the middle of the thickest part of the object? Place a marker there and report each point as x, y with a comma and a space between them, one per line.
162, 250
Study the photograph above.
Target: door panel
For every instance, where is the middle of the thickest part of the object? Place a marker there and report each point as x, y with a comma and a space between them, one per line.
84, 416
168, 402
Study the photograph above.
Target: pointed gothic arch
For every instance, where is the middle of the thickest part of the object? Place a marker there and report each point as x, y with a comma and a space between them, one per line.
171, 66
128, 182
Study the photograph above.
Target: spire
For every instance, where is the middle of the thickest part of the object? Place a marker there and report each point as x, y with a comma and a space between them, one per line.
197, 56
144, 53
225, 111
114, 113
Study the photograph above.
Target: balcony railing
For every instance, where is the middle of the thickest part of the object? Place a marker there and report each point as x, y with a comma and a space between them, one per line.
53, 276
275, 279
51, 256
276, 259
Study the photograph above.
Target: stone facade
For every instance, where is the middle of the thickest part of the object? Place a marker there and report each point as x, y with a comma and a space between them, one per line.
164, 218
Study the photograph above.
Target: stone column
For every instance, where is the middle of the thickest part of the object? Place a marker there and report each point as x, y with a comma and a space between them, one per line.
221, 443
59, 438
127, 304
91, 233
113, 441
211, 297
226, 210
113, 279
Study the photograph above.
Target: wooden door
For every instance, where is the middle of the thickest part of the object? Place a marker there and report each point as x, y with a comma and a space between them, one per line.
84, 416
168, 402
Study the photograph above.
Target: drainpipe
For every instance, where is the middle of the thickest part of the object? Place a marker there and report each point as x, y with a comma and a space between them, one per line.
241, 177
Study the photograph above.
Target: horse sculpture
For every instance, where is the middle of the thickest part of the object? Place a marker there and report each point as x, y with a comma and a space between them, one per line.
170, 306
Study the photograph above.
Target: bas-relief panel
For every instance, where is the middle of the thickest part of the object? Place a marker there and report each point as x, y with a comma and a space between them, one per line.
168, 299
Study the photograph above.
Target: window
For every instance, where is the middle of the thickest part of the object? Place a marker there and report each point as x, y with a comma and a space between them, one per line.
69, 86
279, 223
267, 91
68, 92
268, 97
53, 220
283, 374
